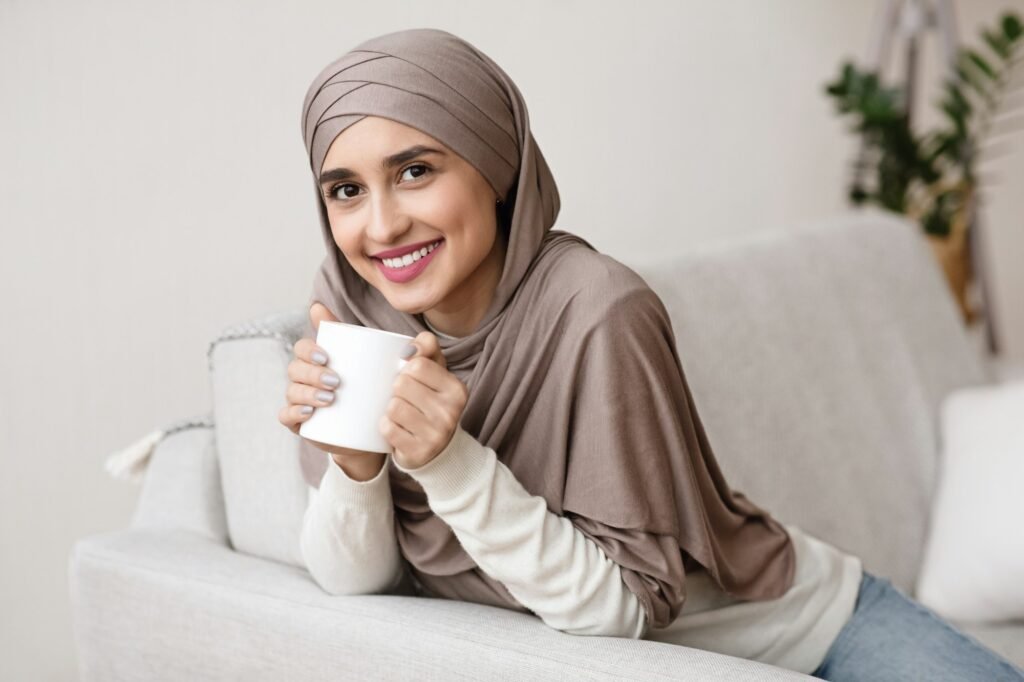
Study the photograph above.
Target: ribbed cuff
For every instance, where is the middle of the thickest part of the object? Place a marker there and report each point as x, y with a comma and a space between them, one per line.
337, 485
454, 469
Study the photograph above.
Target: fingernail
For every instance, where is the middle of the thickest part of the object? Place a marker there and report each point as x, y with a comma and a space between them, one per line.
319, 357
306, 409
330, 379
408, 351
324, 396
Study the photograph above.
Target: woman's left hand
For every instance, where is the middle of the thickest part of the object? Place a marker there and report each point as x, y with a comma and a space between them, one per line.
426, 407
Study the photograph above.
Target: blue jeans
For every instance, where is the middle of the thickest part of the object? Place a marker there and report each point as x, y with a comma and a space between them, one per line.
892, 638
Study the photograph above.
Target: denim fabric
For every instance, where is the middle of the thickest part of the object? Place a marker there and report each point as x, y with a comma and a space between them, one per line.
892, 638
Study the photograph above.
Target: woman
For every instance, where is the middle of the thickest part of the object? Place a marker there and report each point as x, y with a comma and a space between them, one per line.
546, 453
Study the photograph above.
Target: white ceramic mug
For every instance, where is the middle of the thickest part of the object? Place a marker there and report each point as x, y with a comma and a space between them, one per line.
368, 362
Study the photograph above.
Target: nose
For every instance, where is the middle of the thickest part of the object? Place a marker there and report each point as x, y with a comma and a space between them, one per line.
387, 221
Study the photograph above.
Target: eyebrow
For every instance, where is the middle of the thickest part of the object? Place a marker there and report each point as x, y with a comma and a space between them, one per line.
387, 162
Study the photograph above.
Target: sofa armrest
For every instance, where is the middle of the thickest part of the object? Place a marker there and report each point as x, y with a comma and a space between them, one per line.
173, 605
181, 488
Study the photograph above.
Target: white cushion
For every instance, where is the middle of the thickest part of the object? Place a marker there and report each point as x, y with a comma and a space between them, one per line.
265, 495
973, 564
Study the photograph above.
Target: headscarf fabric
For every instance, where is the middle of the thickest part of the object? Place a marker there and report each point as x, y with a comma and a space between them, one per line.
573, 373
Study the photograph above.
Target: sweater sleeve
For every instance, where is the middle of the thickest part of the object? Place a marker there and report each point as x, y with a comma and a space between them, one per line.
547, 564
348, 538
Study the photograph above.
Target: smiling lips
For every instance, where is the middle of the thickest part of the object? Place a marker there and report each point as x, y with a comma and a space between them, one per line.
409, 266
403, 250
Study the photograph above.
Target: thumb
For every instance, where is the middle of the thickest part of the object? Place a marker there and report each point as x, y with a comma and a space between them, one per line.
427, 345
318, 312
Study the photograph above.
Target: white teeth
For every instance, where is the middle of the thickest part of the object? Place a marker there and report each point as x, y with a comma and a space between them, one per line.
409, 258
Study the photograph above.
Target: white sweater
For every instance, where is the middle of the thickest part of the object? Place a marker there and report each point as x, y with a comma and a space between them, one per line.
557, 572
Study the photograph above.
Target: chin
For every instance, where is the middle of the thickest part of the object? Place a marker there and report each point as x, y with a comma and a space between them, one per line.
412, 298
412, 304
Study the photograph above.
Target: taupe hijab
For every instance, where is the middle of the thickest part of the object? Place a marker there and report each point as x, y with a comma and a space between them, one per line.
573, 373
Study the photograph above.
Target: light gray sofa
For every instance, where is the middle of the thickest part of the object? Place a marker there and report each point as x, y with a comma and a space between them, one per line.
818, 358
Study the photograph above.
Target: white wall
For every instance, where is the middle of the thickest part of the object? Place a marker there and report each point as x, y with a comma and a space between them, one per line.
153, 191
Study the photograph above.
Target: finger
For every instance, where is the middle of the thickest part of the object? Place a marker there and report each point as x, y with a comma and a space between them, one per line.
292, 416
407, 416
427, 372
304, 372
318, 312
300, 394
307, 350
421, 397
304, 349
396, 436
428, 402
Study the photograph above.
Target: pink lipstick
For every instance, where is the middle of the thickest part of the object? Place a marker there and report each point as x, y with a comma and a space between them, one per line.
409, 272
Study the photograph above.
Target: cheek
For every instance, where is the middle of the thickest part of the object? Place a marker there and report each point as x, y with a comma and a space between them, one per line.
346, 239
441, 210
448, 203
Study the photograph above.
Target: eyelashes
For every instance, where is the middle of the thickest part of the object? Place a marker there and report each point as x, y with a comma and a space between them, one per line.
331, 194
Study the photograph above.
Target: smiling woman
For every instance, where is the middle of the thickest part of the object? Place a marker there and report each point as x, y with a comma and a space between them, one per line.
547, 454
415, 220
555, 344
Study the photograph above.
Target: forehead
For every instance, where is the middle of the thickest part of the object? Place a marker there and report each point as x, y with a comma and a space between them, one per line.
372, 138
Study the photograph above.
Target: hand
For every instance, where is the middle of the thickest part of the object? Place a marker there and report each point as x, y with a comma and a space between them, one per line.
309, 379
426, 407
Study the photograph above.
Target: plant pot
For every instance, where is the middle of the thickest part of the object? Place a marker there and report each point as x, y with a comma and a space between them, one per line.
954, 258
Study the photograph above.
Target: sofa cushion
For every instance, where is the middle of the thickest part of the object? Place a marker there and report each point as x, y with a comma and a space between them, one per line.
265, 495
974, 559
182, 487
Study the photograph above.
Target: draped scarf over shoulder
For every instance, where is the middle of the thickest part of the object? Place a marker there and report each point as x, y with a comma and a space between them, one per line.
573, 374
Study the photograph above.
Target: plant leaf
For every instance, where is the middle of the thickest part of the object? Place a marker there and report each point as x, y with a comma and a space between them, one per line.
1012, 28
958, 98
982, 65
956, 117
999, 44
966, 76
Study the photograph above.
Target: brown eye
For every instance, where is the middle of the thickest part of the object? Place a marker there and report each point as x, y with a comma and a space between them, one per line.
425, 168
333, 192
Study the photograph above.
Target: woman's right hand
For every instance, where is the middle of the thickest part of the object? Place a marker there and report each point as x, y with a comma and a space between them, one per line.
312, 384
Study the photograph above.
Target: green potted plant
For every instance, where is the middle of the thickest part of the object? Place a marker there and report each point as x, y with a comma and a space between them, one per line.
930, 177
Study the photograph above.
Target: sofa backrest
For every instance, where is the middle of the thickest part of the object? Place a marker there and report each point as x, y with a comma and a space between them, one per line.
818, 359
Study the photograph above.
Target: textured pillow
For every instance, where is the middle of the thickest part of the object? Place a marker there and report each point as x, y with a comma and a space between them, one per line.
973, 563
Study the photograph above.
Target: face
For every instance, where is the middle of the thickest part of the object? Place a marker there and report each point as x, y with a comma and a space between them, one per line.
388, 186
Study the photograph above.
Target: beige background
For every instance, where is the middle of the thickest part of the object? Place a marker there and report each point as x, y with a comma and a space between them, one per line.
153, 191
